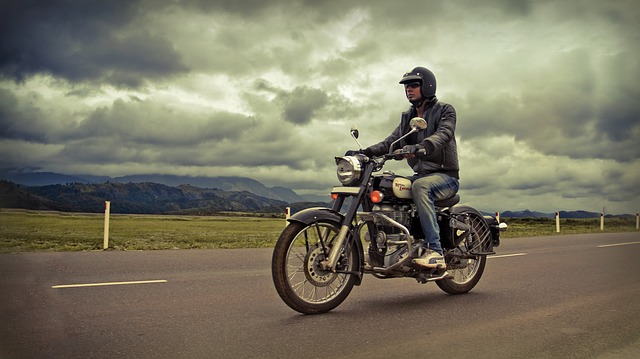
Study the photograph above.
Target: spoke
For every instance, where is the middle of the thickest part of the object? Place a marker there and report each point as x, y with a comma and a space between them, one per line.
323, 287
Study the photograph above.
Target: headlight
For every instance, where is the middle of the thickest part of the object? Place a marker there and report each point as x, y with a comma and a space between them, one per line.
349, 170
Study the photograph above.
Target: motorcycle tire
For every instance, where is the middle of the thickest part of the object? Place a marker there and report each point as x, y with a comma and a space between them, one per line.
466, 278
297, 276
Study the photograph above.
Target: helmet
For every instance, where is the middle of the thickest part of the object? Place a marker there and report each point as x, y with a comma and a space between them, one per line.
426, 77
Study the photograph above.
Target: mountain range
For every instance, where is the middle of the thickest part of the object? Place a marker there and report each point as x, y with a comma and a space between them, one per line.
170, 194
139, 198
223, 183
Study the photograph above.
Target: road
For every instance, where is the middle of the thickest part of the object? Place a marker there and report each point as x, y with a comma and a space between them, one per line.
573, 296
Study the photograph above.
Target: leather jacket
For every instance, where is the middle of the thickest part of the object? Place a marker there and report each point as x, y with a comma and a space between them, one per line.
438, 140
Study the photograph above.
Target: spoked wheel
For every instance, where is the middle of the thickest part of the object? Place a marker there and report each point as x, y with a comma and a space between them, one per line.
300, 281
465, 277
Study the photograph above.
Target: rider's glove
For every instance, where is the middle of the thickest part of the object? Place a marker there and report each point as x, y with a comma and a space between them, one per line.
414, 149
367, 152
398, 155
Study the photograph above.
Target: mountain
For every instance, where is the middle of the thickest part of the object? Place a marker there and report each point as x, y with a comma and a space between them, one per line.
526, 214
148, 198
47, 178
224, 183
578, 214
13, 196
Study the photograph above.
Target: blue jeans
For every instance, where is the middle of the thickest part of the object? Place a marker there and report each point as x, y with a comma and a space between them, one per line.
427, 189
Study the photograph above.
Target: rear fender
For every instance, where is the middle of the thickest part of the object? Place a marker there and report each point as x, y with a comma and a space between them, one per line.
491, 222
318, 214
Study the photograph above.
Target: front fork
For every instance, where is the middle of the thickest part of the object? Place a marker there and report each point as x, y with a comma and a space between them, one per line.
331, 259
334, 253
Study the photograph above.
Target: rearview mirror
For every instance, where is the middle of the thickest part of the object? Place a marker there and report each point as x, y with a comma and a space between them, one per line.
417, 123
354, 132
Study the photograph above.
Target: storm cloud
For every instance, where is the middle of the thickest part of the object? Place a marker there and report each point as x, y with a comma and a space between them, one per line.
545, 91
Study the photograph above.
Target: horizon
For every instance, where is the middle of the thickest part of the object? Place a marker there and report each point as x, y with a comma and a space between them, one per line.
540, 211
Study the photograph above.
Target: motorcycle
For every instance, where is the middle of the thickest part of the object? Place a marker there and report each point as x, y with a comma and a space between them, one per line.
320, 256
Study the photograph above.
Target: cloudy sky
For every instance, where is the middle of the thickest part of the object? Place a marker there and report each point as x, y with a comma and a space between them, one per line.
546, 92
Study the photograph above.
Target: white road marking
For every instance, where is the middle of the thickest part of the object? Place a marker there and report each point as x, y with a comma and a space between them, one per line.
107, 283
508, 255
617, 244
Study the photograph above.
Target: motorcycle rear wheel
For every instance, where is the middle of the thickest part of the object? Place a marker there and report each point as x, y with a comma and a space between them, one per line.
297, 276
465, 279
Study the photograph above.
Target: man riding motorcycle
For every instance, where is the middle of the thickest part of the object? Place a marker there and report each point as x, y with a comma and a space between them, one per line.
431, 153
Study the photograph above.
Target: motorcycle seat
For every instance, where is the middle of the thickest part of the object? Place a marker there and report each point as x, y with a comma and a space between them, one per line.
448, 202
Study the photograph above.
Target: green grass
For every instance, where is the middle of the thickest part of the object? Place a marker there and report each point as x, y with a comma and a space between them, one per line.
22, 231
55, 231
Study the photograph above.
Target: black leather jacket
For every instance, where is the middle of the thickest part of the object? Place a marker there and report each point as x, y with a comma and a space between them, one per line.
438, 139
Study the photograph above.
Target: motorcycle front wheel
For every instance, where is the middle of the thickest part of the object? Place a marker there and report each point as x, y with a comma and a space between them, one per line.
297, 275
464, 279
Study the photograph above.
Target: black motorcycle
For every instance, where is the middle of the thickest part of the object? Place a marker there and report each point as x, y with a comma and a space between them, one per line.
324, 252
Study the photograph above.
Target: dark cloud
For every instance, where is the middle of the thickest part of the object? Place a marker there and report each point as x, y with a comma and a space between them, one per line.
299, 106
563, 106
82, 41
146, 122
302, 103
21, 121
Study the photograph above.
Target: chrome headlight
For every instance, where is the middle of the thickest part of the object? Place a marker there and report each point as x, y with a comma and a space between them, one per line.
349, 170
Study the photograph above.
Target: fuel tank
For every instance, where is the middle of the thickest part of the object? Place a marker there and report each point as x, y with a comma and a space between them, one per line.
394, 186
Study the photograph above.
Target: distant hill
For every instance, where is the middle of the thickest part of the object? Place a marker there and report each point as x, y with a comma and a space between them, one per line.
139, 198
13, 196
526, 214
223, 183
47, 178
149, 198
22, 192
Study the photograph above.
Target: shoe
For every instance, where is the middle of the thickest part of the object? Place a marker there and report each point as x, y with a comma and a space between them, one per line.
432, 260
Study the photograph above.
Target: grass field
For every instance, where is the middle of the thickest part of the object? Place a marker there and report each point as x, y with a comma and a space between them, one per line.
22, 231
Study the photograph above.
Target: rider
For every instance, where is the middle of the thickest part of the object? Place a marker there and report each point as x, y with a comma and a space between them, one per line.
436, 168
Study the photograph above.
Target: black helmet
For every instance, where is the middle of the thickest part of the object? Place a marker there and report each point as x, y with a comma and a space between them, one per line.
426, 77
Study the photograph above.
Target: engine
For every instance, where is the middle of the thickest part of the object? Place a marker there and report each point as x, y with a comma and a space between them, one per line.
388, 232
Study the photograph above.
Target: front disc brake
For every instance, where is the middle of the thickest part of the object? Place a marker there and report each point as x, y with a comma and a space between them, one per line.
315, 275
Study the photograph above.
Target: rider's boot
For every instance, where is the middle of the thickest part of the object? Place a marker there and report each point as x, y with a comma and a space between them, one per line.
431, 260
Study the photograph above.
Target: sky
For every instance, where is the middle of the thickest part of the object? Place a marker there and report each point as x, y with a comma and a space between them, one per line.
546, 92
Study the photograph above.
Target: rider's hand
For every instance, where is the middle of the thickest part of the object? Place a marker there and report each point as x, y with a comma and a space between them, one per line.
399, 154
412, 150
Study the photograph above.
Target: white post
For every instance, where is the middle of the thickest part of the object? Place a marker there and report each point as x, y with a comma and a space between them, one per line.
557, 222
287, 215
637, 220
602, 221
107, 210
498, 217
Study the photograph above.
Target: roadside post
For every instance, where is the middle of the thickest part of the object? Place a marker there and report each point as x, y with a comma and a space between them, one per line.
287, 215
637, 220
498, 217
107, 210
602, 221
557, 222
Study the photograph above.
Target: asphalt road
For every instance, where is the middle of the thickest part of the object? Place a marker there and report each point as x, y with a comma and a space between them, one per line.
572, 296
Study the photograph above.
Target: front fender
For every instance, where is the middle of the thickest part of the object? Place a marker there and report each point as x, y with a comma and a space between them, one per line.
314, 214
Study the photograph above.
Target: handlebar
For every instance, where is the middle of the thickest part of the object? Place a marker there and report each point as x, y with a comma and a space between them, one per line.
400, 155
